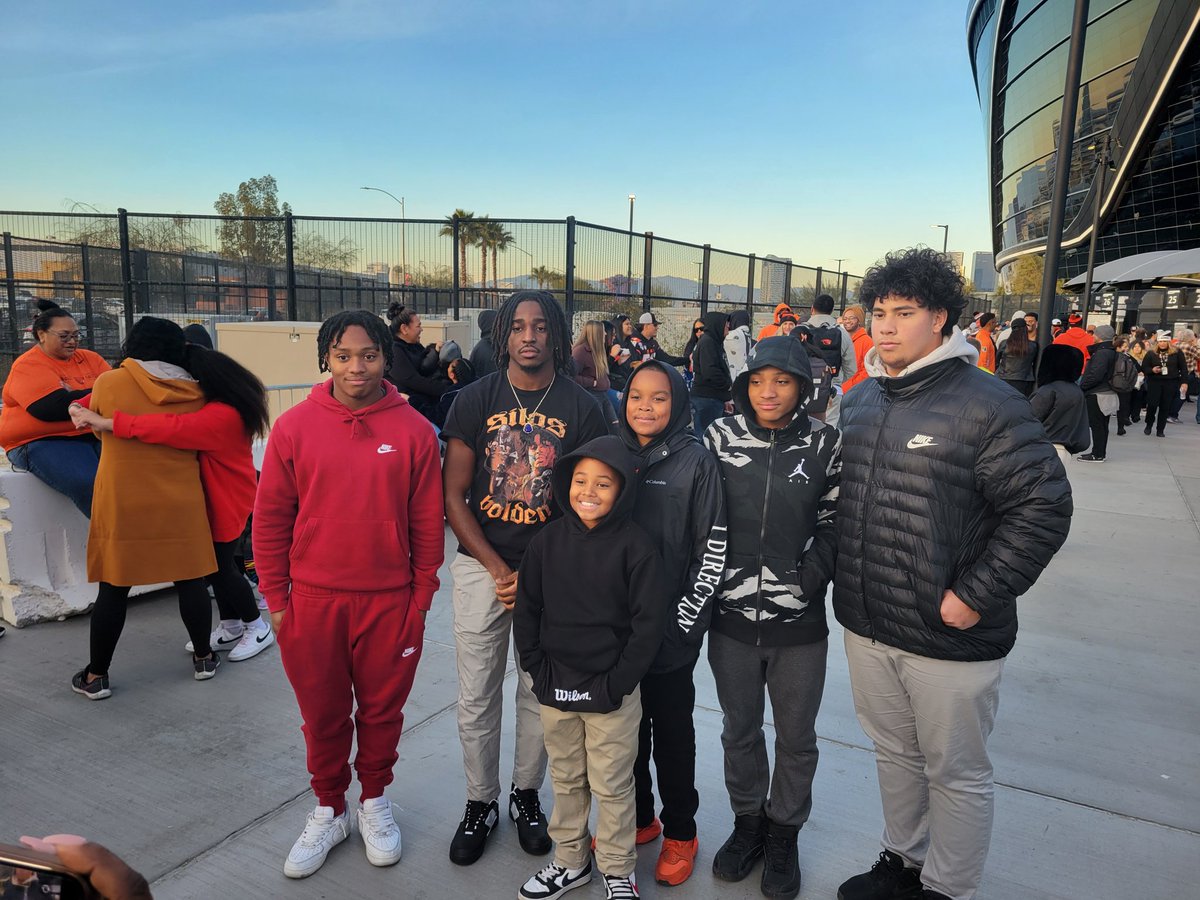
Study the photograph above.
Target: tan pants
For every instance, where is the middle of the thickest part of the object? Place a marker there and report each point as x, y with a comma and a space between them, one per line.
593, 754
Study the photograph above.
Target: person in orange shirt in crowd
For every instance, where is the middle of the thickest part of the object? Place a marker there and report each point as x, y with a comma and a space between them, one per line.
771, 330
852, 321
35, 428
1076, 337
987, 347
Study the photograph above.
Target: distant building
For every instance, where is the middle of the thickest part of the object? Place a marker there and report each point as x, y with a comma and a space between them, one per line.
983, 271
773, 275
378, 268
956, 259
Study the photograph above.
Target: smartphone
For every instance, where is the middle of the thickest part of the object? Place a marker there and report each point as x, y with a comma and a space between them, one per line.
29, 875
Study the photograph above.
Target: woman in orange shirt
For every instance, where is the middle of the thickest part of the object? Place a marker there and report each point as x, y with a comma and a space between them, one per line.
35, 428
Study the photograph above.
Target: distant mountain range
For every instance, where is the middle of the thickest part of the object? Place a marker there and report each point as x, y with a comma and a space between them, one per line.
677, 288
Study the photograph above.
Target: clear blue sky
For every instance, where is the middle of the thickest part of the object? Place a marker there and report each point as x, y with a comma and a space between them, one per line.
807, 129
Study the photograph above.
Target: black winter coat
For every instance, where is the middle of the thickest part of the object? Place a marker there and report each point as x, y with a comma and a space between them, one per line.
414, 371
1099, 370
709, 365
948, 482
681, 505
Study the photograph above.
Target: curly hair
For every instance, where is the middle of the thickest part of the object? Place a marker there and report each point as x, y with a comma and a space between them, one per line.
557, 330
335, 326
921, 274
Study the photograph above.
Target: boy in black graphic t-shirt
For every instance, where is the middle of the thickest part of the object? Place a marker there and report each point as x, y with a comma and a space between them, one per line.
504, 433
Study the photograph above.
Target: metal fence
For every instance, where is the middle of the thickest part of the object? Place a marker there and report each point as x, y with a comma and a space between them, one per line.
110, 269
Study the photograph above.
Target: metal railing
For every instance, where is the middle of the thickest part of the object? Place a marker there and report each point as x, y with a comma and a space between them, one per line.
110, 269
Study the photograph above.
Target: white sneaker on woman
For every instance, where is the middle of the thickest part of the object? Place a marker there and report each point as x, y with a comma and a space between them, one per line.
256, 637
322, 832
380, 833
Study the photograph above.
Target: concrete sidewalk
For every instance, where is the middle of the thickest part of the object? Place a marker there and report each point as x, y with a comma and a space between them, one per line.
202, 785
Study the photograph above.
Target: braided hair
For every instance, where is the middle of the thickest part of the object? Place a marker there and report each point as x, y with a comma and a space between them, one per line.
557, 329
335, 326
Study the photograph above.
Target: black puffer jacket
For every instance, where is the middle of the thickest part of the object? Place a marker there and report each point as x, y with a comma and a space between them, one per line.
1099, 370
681, 504
948, 481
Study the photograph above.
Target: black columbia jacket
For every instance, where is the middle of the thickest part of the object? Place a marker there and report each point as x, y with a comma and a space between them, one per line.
948, 481
681, 505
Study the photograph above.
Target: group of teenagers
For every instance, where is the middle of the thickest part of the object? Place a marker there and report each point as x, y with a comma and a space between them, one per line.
609, 555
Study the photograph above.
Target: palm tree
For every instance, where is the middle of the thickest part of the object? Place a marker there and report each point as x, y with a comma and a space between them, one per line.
479, 238
465, 232
544, 275
497, 238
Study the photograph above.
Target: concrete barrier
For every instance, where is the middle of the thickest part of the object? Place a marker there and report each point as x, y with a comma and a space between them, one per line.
43, 553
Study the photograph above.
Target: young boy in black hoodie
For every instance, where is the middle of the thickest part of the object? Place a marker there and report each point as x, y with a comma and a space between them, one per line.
681, 505
781, 470
587, 624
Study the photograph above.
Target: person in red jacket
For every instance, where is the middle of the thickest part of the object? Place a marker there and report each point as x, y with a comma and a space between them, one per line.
1076, 337
348, 539
222, 432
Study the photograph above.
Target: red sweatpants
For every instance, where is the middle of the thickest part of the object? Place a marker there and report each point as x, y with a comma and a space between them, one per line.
339, 648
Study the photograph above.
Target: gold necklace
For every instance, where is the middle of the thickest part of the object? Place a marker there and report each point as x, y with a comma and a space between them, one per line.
528, 429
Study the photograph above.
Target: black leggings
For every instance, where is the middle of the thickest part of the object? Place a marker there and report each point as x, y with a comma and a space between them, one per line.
108, 620
235, 599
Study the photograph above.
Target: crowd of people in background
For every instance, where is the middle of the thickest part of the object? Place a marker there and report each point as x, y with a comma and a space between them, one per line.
617, 508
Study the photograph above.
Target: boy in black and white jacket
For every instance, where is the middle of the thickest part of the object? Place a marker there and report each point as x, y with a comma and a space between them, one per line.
781, 471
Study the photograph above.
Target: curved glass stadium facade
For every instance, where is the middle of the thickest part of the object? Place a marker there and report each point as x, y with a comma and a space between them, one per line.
1140, 89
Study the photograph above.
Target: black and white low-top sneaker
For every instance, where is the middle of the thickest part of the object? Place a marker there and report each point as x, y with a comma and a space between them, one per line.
620, 887
1090, 457
525, 808
471, 837
554, 880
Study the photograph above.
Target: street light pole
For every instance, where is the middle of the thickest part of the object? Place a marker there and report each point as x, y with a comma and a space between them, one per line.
841, 297
945, 236
629, 263
403, 249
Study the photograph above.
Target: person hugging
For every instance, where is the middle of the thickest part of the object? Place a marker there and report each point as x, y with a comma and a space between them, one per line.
586, 651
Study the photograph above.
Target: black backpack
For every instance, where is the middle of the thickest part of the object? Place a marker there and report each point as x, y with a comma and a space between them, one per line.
818, 401
1125, 372
827, 340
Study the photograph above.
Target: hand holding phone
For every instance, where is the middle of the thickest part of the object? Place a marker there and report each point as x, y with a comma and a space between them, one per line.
86, 871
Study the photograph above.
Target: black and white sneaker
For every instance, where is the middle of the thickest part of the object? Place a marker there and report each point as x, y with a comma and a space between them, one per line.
554, 880
206, 668
1090, 457
94, 690
525, 808
477, 823
620, 887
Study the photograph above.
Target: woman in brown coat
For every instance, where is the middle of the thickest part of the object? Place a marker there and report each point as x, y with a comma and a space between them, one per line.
149, 522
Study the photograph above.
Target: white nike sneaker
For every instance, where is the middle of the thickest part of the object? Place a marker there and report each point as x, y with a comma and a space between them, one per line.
322, 832
221, 639
380, 833
255, 639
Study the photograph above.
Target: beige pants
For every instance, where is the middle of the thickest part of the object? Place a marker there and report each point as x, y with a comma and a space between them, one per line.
592, 754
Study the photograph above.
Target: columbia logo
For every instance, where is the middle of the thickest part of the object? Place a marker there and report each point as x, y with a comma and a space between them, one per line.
921, 440
566, 696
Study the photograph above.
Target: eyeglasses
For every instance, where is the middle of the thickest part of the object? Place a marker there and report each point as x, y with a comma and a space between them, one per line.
68, 336
697, 331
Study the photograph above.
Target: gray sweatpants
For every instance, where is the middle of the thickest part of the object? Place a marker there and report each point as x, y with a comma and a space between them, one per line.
795, 679
481, 638
930, 720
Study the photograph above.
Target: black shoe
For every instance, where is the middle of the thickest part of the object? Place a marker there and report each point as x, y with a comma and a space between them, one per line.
94, 690
738, 854
1091, 457
1159, 434
477, 823
1135, 418
1120, 431
781, 862
525, 808
889, 879
1146, 430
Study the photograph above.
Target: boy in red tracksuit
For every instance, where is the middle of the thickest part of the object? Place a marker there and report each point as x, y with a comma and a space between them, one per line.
348, 540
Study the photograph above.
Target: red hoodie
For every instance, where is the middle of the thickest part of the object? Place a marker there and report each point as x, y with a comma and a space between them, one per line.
226, 463
350, 500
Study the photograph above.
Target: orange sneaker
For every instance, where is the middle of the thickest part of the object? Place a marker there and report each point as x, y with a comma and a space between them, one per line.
647, 833
675, 861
